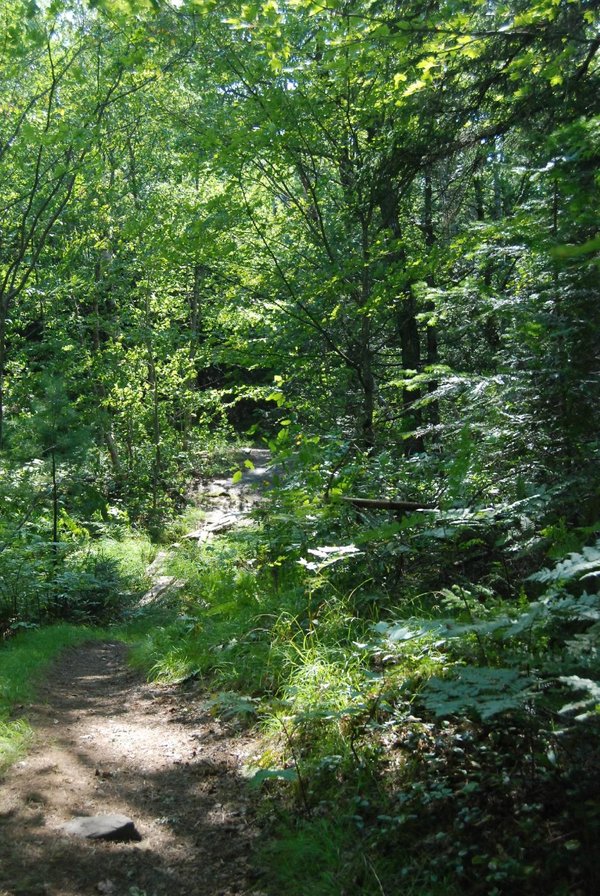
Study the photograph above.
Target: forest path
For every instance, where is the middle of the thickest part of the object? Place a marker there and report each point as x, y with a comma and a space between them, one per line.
106, 741
227, 504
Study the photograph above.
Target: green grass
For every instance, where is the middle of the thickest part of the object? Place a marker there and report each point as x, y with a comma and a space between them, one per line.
325, 857
14, 739
239, 626
219, 627
308, 859
132, 552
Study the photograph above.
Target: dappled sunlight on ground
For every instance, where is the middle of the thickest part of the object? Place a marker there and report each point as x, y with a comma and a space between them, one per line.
109, 743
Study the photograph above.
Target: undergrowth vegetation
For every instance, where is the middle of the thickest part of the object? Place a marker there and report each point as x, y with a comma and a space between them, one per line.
426, 682
427, 687
87, 572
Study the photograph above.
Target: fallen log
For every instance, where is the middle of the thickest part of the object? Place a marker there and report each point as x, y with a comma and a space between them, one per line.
384, 504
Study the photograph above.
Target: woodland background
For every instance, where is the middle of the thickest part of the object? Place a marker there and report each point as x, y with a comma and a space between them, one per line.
365, 235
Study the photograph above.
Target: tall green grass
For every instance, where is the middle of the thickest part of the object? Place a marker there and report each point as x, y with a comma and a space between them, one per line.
241, 623
133, 551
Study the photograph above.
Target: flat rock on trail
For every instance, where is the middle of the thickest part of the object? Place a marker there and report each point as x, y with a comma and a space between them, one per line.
108, 742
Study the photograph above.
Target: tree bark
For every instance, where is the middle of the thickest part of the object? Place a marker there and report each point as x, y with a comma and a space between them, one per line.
431, 332
406, 322
54, 504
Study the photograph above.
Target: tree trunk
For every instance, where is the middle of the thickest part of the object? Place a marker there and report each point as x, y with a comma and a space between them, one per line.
156, 432
431, 332
406, 322
54, 504
113, 452
369, 390
195, 324
386, 504
410, 344
367, 377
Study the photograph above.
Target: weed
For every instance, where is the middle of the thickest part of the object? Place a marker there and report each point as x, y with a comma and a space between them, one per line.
14, 738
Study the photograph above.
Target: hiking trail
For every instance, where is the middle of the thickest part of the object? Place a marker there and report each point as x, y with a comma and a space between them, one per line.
106, 741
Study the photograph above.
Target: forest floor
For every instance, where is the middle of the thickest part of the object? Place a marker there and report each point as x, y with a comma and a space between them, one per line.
106, 741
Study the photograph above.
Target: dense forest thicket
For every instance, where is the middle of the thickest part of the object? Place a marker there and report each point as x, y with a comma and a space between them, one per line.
364, 233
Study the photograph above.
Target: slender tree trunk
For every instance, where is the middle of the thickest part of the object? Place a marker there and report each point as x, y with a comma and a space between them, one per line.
113, 453
156, 432
490, 331
406, 322
105, 424
54, 503
368, 389
561, 401
410, 345
367, 377
498, 210
431, 332
195, 310
187, 417
156, 439
129, 440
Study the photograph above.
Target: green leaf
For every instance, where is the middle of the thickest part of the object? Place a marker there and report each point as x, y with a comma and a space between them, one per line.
575, 566
483, 690
277, 397
575, 251
268, 774
591, 703
380, 533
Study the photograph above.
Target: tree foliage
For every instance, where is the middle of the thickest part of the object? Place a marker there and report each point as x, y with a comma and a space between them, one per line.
365, 234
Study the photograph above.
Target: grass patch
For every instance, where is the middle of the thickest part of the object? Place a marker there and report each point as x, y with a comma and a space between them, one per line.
322, 857
219, 627
14, 739
243, 623
307, 859
133, 552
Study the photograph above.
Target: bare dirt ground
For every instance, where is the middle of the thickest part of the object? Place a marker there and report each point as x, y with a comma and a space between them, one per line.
106, 741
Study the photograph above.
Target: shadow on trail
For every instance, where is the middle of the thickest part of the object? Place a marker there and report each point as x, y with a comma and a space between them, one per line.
111, 743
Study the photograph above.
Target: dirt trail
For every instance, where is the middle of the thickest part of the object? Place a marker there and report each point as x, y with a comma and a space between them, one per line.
107, 741
226, 503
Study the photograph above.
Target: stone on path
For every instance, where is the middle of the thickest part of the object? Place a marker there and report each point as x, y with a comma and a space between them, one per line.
102, 827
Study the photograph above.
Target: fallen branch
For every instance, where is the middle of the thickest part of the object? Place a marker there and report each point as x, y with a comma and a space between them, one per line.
383, 504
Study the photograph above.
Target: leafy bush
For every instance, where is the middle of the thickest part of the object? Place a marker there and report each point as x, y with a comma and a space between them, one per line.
88, 589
